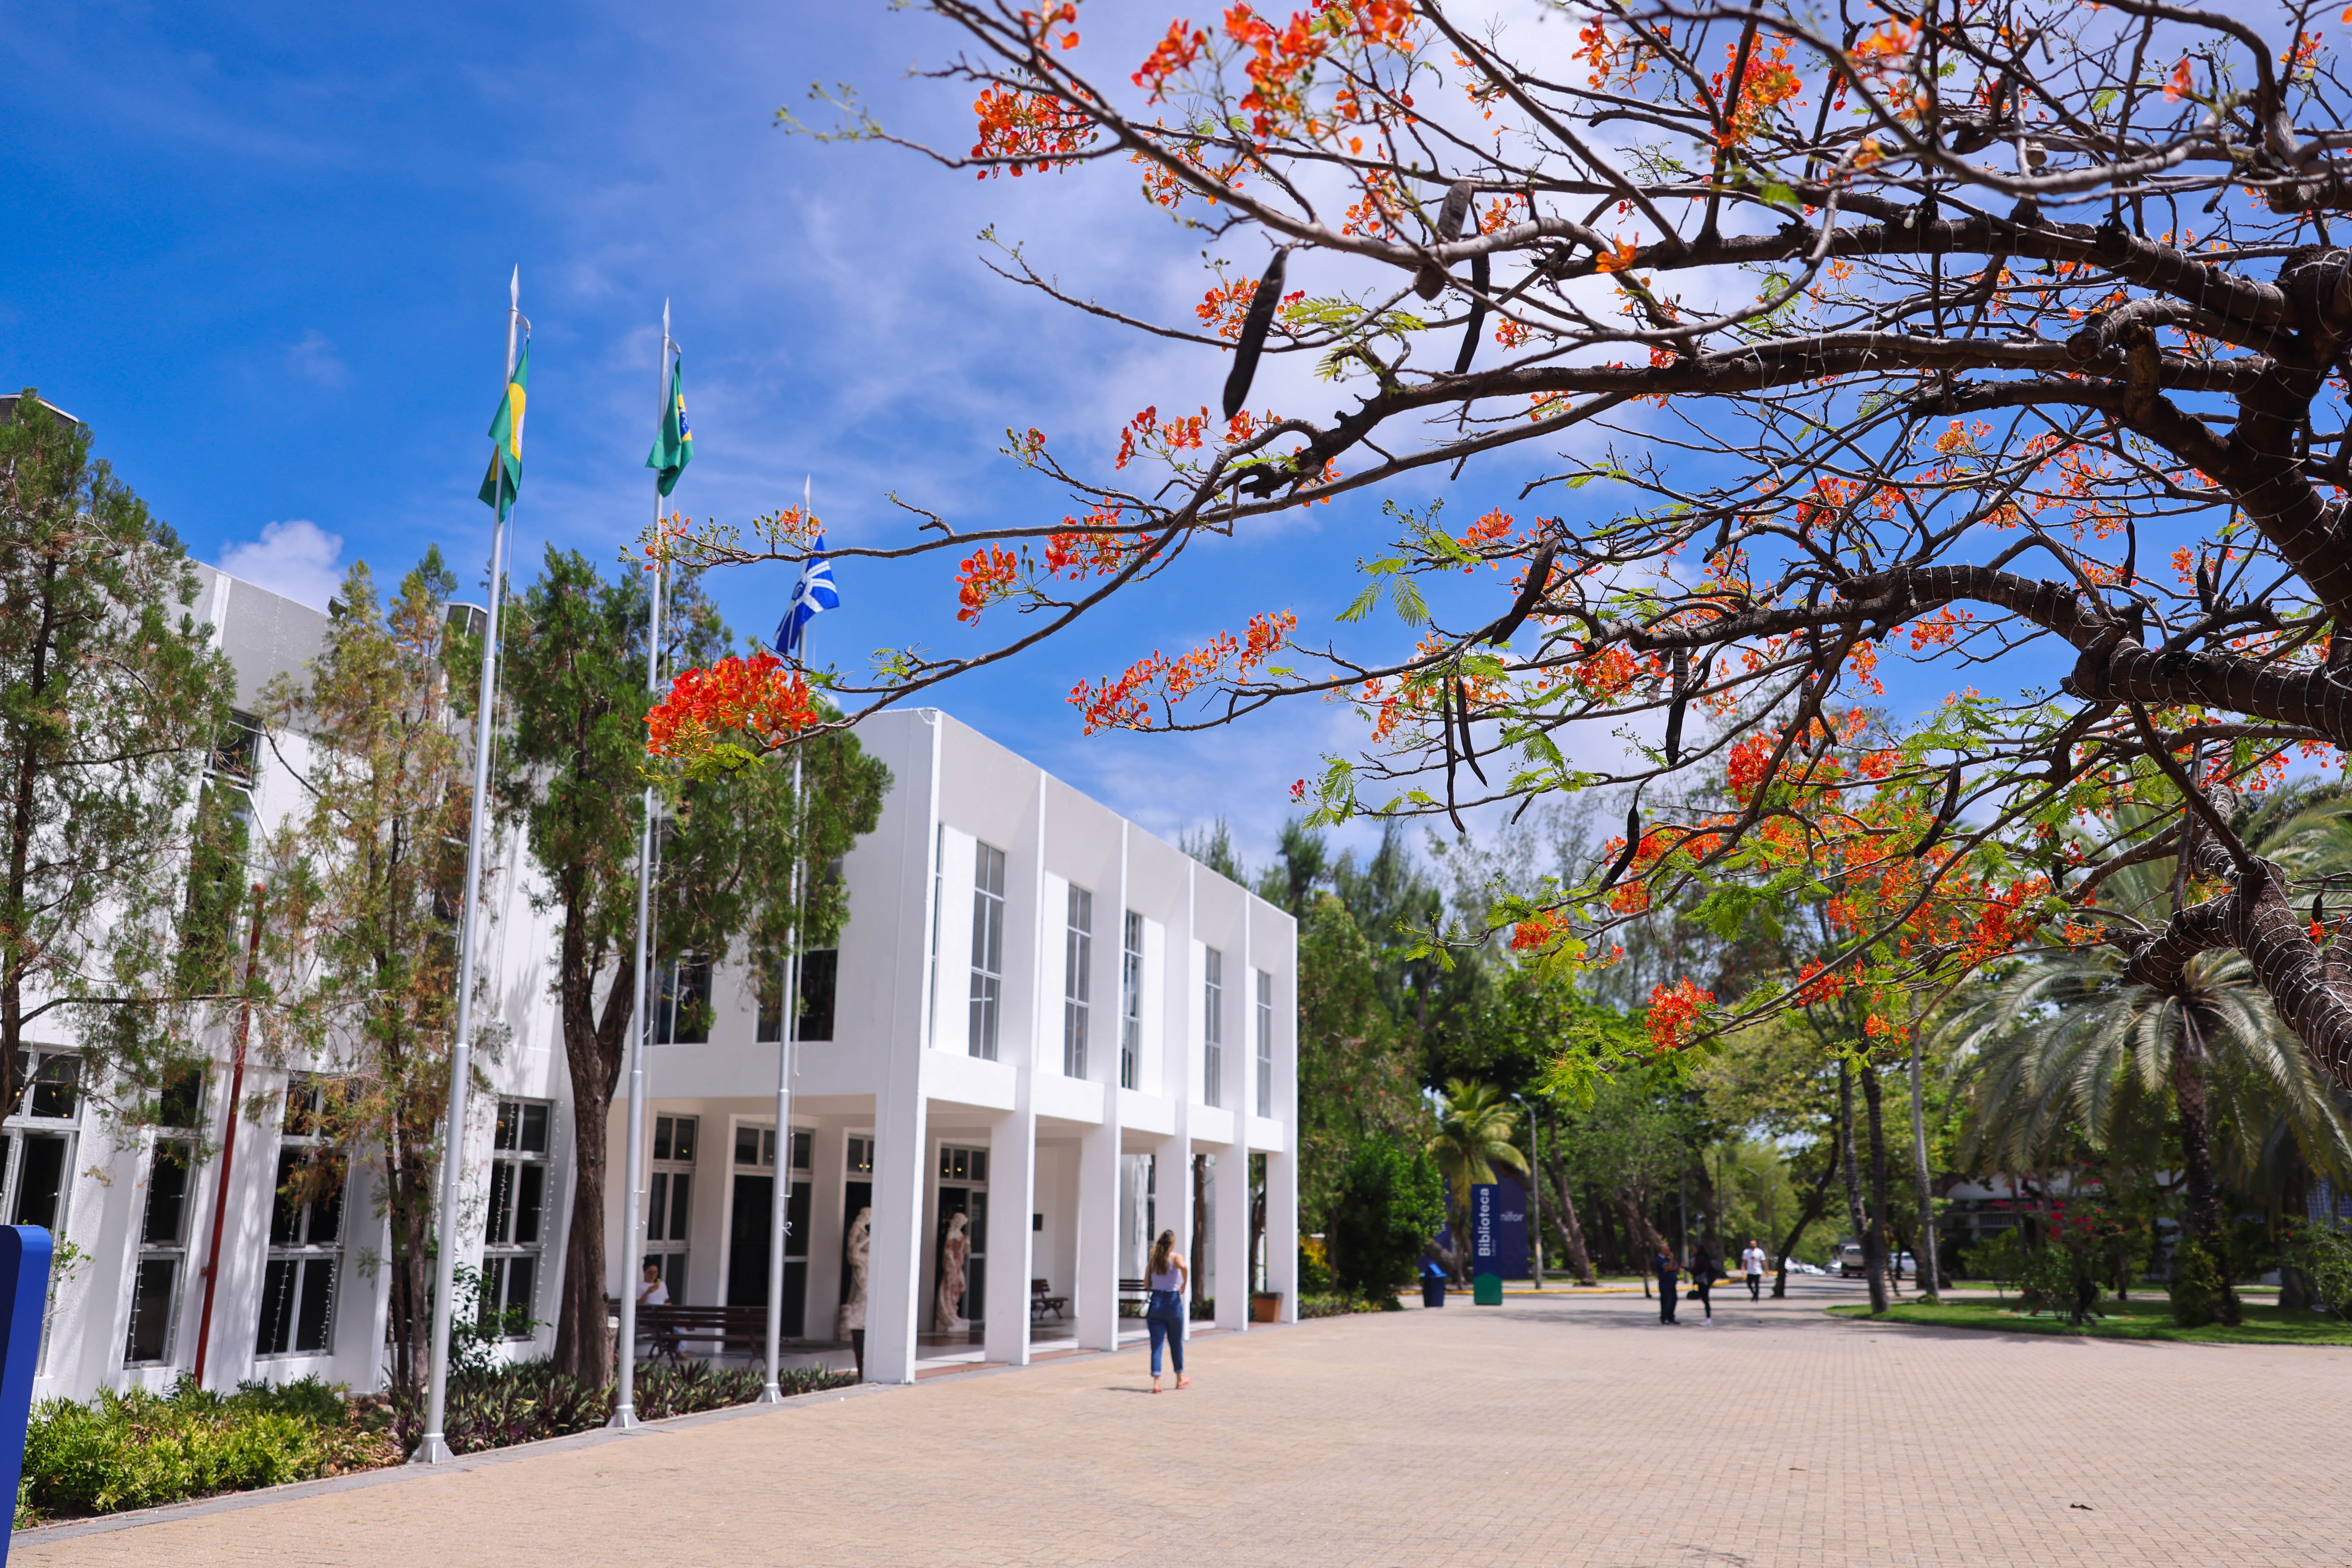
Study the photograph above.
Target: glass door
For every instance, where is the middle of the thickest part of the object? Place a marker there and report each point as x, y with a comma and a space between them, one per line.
964, 1191
748, 1232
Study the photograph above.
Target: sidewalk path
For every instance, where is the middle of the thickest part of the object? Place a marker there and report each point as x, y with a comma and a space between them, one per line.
1544, 1433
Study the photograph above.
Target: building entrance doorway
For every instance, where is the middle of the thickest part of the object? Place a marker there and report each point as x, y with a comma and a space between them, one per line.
747, 1233
963, 1192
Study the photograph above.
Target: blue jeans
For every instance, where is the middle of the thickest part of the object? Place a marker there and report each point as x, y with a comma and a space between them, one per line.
1165, 1319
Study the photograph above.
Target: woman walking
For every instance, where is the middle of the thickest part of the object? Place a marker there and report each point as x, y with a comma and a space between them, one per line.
1167, 1277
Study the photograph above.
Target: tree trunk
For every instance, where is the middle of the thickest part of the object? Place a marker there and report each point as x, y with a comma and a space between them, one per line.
2197, 1161
593, 1050
1812, 1212
1874, 1244
1853, 1168
1563, 1220
1928, 1277
1199, 1226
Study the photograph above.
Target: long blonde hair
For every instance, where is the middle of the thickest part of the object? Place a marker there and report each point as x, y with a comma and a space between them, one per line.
1162, 1252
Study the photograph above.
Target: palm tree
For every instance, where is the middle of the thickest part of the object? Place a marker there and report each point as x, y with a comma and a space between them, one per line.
2072, 1057
1474, 1136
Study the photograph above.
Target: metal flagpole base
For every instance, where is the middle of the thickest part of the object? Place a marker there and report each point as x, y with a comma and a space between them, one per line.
433, 1450
625, 1419
772, 1395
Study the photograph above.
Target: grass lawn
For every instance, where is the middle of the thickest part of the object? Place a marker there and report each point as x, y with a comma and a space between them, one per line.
2149, 1318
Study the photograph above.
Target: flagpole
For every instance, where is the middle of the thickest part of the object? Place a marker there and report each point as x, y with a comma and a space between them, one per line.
625, 1409
781, 1197
433, 1449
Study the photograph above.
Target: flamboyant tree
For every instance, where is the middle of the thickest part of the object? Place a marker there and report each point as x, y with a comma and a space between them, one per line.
1999, 347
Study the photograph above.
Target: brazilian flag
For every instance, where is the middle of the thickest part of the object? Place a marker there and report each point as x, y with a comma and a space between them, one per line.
506, 429
674, 444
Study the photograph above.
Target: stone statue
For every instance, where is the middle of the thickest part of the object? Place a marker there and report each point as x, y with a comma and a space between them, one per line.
856, 1247
955, 1251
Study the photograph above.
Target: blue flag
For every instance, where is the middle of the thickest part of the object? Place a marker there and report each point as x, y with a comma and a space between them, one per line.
812, 596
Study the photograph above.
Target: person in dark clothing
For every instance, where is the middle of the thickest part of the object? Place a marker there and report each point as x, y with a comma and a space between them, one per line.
1663, 1266
1703, 1279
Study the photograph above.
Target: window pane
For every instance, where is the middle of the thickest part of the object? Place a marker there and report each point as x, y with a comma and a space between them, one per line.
509, 1116
150, 1309
656, 1204
326, 1222
318, 1304
747, 1145
683, 1140
167, 1195
501, 1206
534, 1130
820, 973
661, 1137
801, 1146
522, 1274
276, 1304
285, 1215
56, 1086
681, 1205
41, 1183
532, 1189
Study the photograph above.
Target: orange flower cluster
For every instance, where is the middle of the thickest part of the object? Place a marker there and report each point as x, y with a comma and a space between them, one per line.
1184, 434
1281, 61
1123, 703
1766, 82
1226, 305
987, 576
758, 699
1174, 56
1035, 129
1084, 555
1674, 1013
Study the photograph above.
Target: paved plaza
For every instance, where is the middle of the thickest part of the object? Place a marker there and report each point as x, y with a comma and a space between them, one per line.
1547, 1432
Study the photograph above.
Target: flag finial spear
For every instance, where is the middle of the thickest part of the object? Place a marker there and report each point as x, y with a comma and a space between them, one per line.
514, 288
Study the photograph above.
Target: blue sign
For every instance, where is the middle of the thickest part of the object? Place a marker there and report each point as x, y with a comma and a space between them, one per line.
1498, 1229
23, 1300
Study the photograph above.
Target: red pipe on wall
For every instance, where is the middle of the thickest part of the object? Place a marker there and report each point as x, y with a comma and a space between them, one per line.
228, 1140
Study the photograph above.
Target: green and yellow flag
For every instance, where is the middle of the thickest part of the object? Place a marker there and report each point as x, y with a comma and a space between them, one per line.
506, 429
674, 444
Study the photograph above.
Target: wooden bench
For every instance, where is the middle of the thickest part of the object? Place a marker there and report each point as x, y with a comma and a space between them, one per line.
1040, 1303
725, 1330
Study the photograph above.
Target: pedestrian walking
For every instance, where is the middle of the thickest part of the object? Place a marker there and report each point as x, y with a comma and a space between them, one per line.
1703, 1267
1752, 1263
1663, 1266
1165, 1316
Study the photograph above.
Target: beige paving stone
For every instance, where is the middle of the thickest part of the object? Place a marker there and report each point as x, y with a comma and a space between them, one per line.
1544, 1433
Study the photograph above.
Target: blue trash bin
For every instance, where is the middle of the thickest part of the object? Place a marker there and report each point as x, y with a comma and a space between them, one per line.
1433, 1285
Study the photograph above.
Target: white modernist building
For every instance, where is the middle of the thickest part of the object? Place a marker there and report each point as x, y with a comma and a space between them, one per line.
1045, 1035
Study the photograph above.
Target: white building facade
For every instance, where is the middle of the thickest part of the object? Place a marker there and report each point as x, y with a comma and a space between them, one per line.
1038, 1017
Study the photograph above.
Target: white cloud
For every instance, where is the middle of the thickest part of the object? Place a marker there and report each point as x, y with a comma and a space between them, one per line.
296, 558
316, 359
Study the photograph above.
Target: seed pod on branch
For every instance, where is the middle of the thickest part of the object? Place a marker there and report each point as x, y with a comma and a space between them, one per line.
1479, 276
1430, 279
1538, 579
1254, 327
1625, 859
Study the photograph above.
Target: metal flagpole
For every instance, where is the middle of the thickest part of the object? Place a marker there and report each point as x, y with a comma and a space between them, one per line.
433, 1449
624, 1407
779, 1222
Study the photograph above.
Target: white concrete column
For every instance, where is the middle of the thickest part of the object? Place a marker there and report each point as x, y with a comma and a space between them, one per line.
828, 1149
1012, 1246
894, 1267
1229, 1194
1093, 1294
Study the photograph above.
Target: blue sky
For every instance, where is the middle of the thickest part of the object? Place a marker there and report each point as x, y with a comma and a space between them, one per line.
263, 249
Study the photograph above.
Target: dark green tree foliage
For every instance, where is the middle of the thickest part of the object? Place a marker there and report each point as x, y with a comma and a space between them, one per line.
366, 898
575, 648
1355, 1079
109, 693
1390, 1201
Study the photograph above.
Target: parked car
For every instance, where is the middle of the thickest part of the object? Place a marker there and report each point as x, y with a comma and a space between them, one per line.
1850, 1263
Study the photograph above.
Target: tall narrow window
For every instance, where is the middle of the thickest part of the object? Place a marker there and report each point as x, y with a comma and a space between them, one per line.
939, 891
1130, 999
37, 1152
987, 947
1212, 1026
670, 1201
1265, 1042
518, 1218
157, 1281
1078, 963
683, 1016
819, 971
306, 1226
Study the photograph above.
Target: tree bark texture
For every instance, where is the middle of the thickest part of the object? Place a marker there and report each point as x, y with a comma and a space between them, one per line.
1811, 1212
593, 1052
2203, 1207
1929, 1279
1873, 1246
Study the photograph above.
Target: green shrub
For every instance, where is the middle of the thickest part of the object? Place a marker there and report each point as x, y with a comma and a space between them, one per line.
1328, 1306
138, 1449
524, 1401
1390, 1202
2200, 1295
2324, 1253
